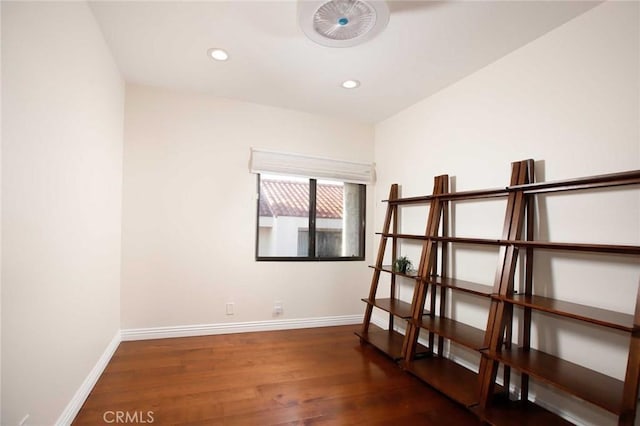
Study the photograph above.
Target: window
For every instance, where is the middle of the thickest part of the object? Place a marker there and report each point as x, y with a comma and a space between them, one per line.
318, 217
309, 219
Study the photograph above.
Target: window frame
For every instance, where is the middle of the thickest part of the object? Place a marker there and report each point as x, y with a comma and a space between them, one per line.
312, 257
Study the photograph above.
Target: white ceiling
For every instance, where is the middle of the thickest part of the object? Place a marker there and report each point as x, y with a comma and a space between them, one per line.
427, 46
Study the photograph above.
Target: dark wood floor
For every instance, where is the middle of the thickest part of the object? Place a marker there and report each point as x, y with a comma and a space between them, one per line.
297, 377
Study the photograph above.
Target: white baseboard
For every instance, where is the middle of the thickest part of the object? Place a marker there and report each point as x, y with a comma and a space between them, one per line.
236, 327
73, 407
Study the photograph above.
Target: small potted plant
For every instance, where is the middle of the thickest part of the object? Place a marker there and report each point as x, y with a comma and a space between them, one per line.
402, 265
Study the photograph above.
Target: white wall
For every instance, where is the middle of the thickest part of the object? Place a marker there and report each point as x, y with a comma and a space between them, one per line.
189, 212
62, 114
569, 100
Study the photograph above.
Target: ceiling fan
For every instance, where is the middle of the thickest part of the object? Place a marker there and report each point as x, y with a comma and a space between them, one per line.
342, 23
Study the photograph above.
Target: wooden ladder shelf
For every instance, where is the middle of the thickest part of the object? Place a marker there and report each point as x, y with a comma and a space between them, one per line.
494, 346
390, 341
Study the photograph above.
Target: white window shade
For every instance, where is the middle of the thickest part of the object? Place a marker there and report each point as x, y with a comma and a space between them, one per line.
313, 167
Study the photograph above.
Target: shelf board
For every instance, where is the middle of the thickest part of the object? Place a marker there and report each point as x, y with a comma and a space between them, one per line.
389, 269
448, 377
465, 240
469, 240
462, 285
462, 240
393, 306
452, 196
403, 236
590, 314
594, 248
589, 385
452, 283
388, 341
453, 330
421, 199
631, 177
474, 194
547, 245
504, 412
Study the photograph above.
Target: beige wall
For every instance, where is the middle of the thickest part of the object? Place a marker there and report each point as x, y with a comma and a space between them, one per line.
62, 115
0, 217
569, 100
189, 212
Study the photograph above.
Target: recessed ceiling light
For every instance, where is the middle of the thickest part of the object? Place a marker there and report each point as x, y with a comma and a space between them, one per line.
350, 84
218, 54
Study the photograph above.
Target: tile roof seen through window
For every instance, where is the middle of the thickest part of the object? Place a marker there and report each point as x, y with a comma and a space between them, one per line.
287, 198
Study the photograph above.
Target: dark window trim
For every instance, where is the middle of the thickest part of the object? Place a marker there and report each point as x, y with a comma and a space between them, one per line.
313, 192
307, 259
312, 230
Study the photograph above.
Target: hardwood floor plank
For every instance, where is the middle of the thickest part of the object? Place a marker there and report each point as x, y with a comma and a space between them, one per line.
319, 376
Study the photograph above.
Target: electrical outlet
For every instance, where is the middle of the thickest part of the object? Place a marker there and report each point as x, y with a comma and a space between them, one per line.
229, 308
277, 308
